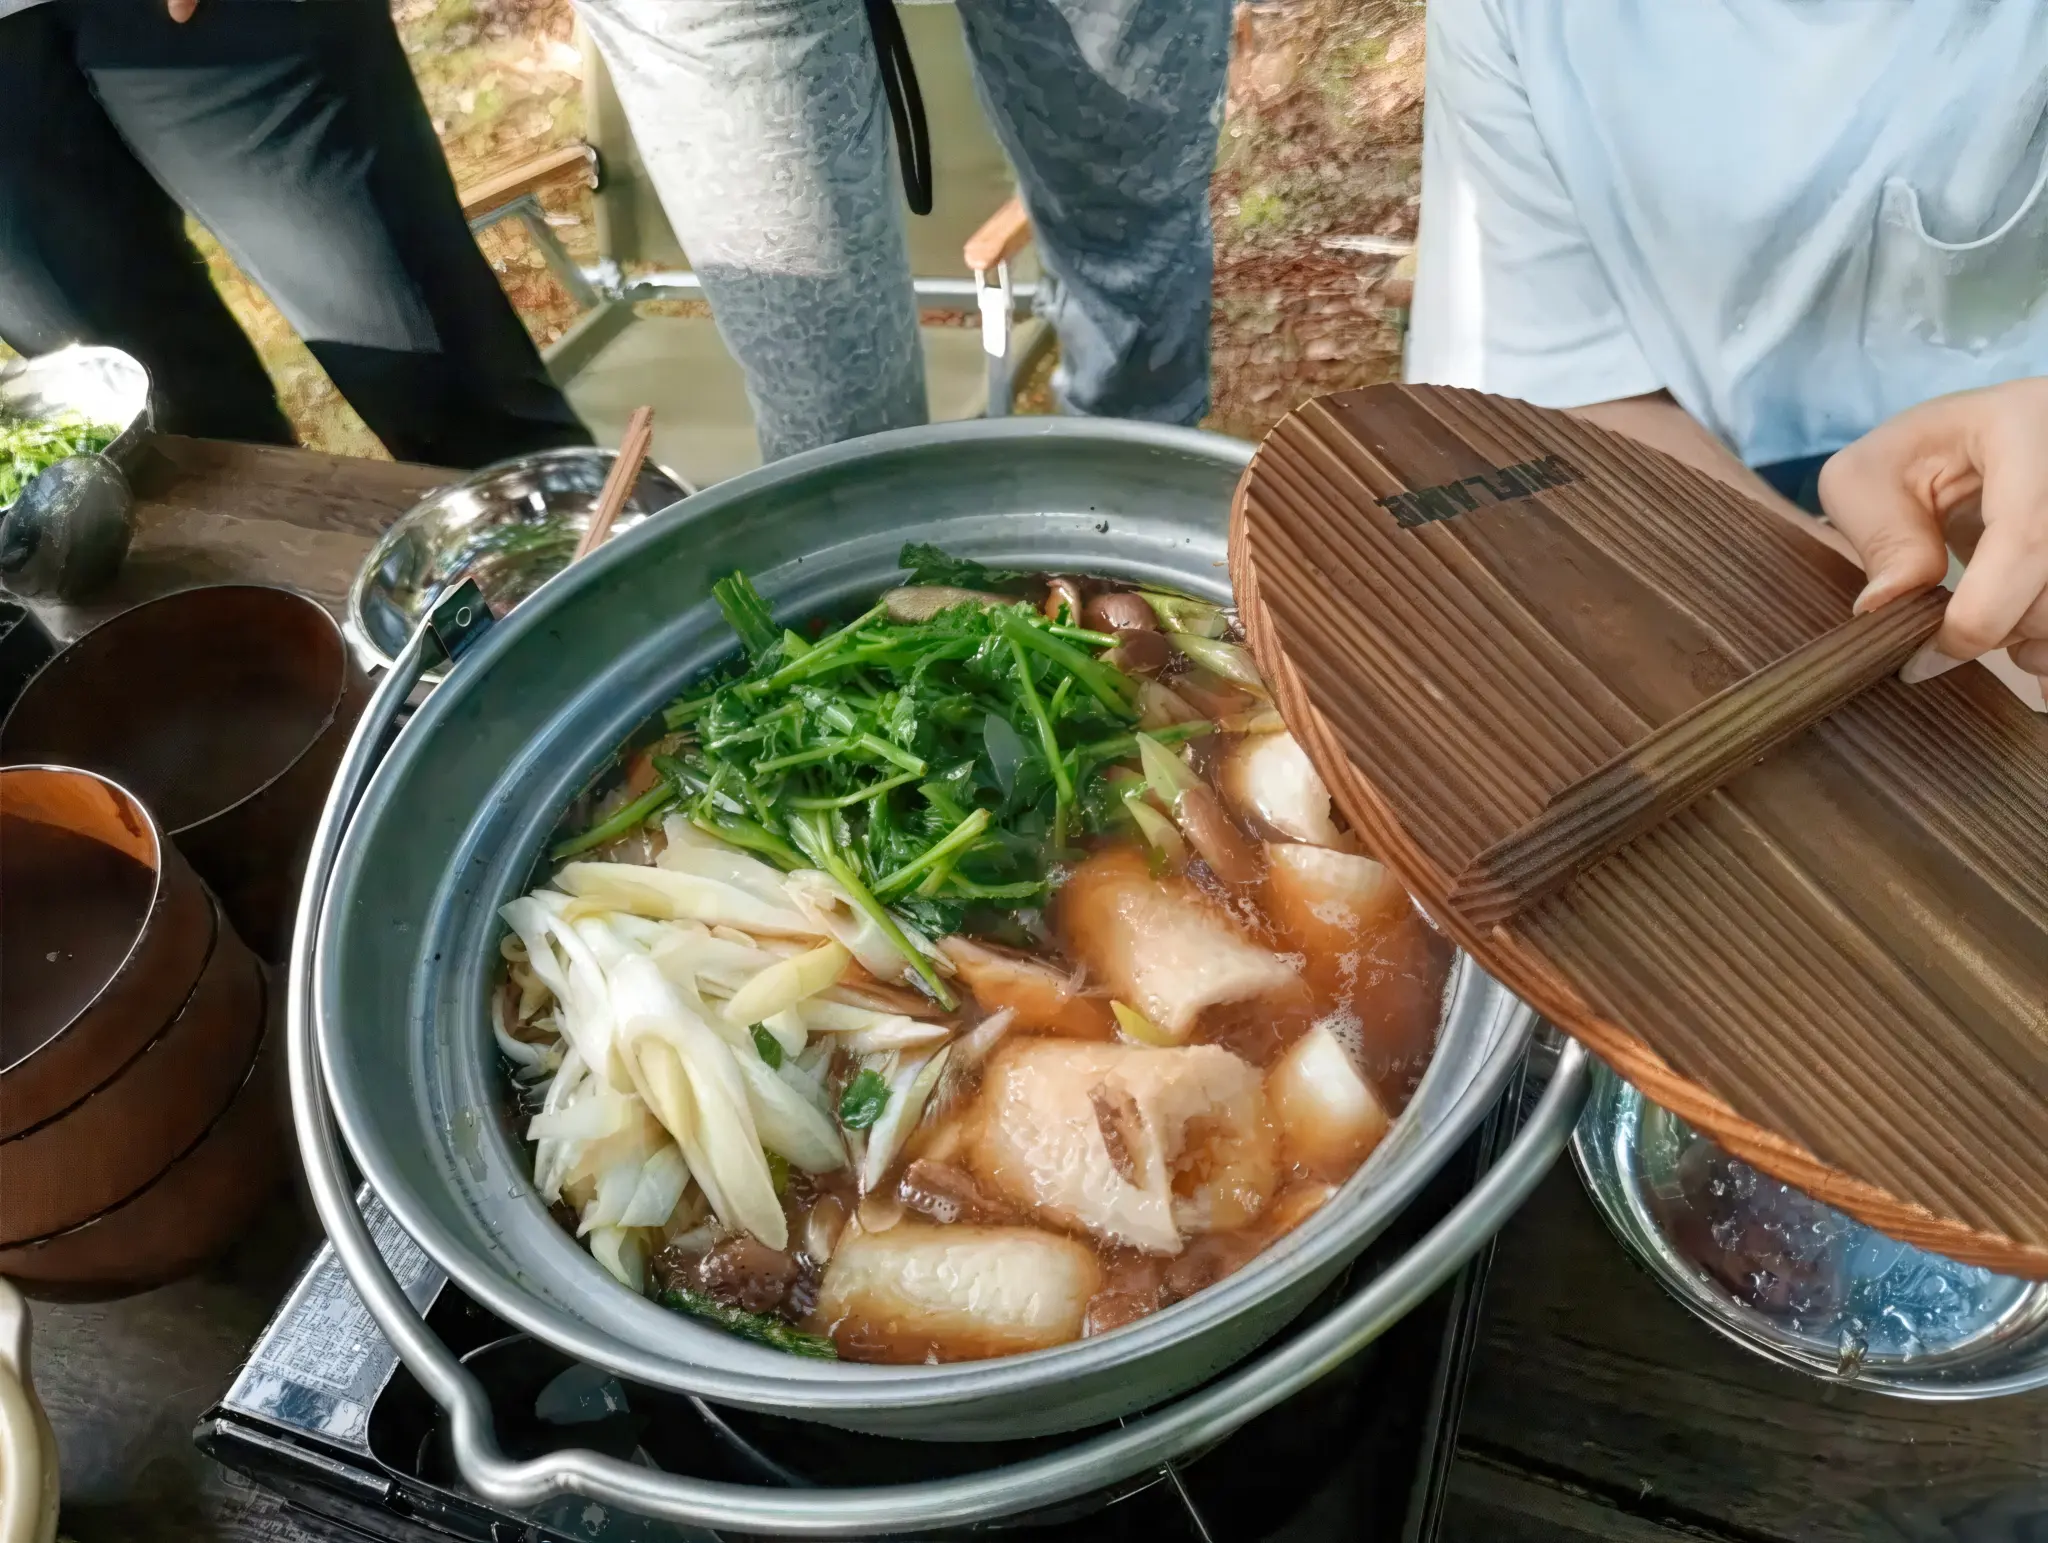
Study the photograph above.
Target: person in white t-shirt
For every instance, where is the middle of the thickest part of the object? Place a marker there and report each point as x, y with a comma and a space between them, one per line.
1756, 232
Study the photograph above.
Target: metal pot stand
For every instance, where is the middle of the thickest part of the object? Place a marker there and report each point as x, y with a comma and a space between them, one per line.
1146, 1442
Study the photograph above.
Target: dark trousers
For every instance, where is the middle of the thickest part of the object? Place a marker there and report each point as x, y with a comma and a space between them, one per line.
292, 130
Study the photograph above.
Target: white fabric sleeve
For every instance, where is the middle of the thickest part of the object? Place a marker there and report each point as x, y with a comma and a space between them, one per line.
1509, 294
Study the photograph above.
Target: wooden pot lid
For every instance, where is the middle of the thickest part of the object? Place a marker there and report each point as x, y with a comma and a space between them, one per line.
1810, 916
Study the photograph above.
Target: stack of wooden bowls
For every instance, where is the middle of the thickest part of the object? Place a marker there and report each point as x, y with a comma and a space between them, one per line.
136, 1130
159, 784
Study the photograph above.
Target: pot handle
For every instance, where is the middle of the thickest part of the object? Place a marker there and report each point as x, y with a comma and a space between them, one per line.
1144, 1442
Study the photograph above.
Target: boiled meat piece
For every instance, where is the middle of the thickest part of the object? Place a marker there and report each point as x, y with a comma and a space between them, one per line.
1329, 1115
1137, 1146
1041, 997
917, 1293
1160, 944
1270, 781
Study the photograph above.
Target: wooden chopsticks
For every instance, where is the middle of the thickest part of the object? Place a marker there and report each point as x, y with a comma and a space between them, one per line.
618, 485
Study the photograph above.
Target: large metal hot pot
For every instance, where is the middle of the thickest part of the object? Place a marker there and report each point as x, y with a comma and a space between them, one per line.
398, 932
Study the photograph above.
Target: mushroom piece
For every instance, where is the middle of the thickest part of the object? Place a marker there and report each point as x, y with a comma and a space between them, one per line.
1140, 653
1118, 610
923, 1293
1160, 944
1139, 1147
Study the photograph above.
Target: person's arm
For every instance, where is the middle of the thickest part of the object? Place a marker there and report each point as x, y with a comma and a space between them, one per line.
1659, 422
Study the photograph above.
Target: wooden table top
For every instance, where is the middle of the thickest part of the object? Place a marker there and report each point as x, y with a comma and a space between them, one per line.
1599, 1409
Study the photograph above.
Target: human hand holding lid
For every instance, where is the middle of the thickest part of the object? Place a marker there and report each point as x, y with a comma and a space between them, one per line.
1968, 472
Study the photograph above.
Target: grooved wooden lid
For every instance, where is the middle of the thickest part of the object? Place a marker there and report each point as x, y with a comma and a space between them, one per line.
1493, 626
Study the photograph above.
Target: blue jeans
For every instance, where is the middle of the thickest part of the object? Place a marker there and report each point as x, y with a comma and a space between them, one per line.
764, 127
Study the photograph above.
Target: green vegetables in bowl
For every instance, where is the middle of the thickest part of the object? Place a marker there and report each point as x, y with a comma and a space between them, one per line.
29, 446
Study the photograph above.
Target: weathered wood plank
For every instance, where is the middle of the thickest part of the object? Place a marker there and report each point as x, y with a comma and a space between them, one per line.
1589, 1370
208, 512
1494, 1502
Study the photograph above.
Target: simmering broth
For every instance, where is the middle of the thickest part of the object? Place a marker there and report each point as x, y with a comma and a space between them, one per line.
985, 973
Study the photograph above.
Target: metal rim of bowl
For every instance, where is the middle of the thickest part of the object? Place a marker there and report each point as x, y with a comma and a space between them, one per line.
158, 837
1611, 1122
372, 654
1360, 1210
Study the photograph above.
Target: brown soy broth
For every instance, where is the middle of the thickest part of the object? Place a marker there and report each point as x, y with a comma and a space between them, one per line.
1378, 980
1370, 970
70, 910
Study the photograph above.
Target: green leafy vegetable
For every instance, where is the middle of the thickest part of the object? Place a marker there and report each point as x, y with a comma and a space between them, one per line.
864, 1100
761, 1328
928, 766
628, 819
748, 613
769, 1046
30, 446
930, 565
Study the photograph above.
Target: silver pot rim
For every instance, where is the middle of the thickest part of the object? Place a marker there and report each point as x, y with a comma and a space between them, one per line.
1366, 1203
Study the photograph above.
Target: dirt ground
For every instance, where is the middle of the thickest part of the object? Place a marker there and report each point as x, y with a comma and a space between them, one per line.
1315, 193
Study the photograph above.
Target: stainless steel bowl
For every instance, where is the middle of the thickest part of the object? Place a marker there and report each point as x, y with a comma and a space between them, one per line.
451, 825
65, 535
511, 526
1797, 1281
105, 384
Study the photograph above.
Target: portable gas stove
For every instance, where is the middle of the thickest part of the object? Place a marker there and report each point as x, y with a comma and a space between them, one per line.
324, 1414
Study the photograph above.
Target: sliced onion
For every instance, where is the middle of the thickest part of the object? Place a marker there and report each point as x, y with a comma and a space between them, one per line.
662, 1180
787, 982
623, 1253
1230, 660
832, 911
790, 1031
1168, 774
1158, 830
1190, 618
822, 1228
789, 1123
895, 1033
1159, 706
691, 1078
693, 850
666, 894
529, 1058
910, 1085
598, 1114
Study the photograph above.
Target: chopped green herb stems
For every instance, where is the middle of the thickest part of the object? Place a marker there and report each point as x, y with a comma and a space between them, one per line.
628, 819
